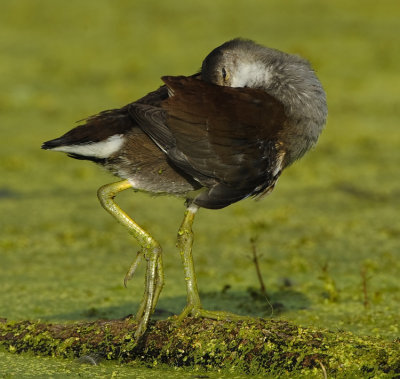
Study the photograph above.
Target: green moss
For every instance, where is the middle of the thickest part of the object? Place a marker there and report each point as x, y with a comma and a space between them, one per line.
252, 347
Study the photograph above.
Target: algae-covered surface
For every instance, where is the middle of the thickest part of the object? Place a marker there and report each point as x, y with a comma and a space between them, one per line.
328, 237
254, 346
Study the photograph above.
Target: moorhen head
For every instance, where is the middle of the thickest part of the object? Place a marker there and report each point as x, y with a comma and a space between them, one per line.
214, 138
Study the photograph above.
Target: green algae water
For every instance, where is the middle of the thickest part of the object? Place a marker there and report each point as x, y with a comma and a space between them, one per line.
328, 237
23, 366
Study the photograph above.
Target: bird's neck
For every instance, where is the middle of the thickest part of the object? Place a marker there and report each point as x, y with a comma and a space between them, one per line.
304, 101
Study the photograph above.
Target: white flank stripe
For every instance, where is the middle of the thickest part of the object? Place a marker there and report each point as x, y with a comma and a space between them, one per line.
101, 149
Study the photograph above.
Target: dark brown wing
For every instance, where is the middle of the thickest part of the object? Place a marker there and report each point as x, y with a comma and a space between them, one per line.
105, 124
225, 138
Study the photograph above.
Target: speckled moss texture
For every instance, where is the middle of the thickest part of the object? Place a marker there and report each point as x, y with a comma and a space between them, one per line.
251, 347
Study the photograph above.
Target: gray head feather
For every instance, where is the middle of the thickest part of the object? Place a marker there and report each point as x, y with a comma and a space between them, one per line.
289, 78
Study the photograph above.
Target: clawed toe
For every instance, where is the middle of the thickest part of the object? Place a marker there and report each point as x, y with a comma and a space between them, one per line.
134, 266
196, 311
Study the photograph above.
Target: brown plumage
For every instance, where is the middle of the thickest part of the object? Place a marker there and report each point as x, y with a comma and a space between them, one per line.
214, 138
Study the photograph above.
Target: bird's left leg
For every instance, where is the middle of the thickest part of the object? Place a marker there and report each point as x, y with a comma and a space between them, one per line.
150, 251
185, 243
193, 306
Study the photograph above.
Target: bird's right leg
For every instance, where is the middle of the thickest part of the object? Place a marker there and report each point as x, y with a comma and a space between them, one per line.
193, 306
150, 251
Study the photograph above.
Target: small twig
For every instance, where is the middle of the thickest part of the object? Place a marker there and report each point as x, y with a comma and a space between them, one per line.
364, 280
256, 263
323, 370
329, 284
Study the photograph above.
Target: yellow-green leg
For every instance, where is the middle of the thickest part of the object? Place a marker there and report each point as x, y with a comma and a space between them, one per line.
150, 251
185, 243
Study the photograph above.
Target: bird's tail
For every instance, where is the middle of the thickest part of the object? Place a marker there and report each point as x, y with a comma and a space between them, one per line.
97, 139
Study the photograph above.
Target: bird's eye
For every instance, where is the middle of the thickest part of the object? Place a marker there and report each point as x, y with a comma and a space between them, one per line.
225, 75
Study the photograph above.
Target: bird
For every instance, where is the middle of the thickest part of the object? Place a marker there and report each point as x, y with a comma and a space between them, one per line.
213, 138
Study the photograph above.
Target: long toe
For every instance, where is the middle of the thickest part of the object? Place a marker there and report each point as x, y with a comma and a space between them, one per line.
196, 311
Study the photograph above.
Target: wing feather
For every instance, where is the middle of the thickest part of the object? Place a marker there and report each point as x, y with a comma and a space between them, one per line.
226, 138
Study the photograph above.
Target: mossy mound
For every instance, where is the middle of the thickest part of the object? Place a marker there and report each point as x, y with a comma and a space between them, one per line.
254, 347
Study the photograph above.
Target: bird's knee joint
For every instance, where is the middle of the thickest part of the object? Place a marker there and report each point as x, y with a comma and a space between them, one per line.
152, 252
